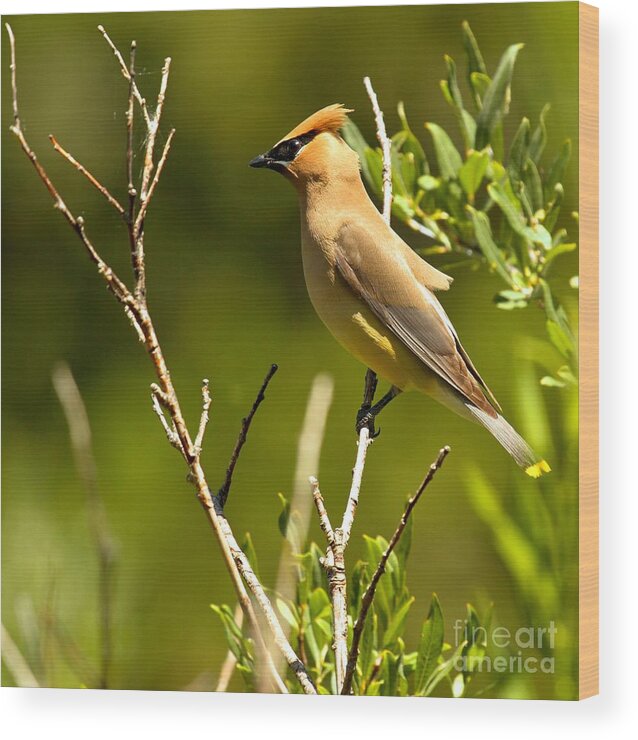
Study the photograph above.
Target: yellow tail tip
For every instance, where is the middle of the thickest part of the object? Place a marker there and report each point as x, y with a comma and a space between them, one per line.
536, 470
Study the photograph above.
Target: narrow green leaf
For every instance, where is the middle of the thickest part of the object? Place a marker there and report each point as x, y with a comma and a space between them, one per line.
491, 252
553, 208
374, 161
397, 624
509, 205
430, 646
472, 173
443, 670
562, 248
519, 149
354, 139
533, 184
539, 137
412, 145
557, 169
496, 99
480, 84
448, 158
249, 549
452, 94
475, 63
287, 614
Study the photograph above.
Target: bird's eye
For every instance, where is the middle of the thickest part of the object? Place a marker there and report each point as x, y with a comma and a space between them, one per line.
292, 148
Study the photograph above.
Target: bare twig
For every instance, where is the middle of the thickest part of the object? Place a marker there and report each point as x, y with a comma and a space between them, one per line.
203, 419
127, 76
334, 561
153, 128
324, 519
83, 171
80, 433
386, 148
386, 153
130, 115
16, 663
158, 171
241, 439
355, 486
368, 596
164, 393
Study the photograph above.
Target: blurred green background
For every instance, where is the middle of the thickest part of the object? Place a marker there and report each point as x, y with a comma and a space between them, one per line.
227, 292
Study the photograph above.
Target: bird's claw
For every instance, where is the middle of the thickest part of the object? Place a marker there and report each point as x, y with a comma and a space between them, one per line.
366, 419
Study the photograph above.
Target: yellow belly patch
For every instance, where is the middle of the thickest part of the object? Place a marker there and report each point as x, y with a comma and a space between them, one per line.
379, 339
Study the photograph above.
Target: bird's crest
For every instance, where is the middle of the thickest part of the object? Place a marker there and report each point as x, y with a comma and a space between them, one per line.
331, 119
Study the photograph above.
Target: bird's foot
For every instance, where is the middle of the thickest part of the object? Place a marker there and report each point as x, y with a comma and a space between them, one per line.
365, 419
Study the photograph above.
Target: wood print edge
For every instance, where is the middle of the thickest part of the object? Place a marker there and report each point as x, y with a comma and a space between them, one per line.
588, 352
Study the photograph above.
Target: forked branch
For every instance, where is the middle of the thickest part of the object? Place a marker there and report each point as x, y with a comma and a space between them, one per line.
164, 396
368, 596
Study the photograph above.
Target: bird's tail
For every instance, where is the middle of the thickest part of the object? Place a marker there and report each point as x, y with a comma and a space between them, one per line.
512, 441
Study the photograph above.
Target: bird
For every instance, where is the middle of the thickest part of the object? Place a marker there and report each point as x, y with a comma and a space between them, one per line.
373, 292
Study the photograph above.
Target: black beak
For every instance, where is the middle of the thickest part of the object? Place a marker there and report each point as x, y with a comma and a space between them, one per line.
261, 161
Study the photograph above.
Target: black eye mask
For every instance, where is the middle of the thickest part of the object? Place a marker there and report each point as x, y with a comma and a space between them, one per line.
288, 150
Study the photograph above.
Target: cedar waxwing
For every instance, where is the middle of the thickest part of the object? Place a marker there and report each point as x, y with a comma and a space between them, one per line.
372, 291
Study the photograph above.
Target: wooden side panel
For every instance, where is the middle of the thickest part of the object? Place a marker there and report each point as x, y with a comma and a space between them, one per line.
588, 351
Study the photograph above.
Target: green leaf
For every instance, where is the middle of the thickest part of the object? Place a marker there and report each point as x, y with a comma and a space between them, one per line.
428, 183
496, 99
452, 93
533, 184
412, 145
287, 613
539, 137
519, 150
562, 248
475, 63
553, 209
430, 647
472, 172
480, 84
491, 252
512, 210
354, 139
510, 299
374, 162
557, 169
443, 670
448, 158
250, 552
397, 624
289, 524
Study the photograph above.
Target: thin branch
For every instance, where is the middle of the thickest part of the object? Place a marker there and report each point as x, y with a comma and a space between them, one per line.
368, 596
16, 663
241, 439
324, 519
164, 393
203, 419
83, 171
126, 74
253, 583
171, 434
386, 149
158, 171
355, 487
80, 433
130, 124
